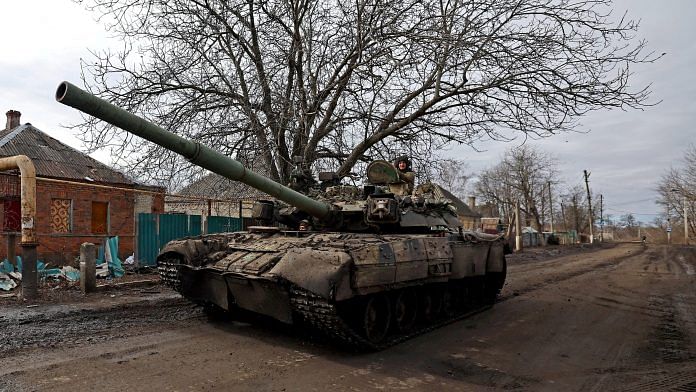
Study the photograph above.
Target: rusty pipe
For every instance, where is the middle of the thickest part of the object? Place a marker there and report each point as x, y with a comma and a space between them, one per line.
28, 193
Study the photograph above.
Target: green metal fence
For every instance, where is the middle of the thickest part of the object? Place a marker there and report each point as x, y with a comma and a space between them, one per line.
224, 224
155, 230
147, 245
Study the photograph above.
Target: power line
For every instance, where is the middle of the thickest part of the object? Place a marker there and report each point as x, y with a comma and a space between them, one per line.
633, 201
631, 212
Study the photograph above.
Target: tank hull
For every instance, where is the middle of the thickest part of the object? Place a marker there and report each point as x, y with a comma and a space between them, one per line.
331, 281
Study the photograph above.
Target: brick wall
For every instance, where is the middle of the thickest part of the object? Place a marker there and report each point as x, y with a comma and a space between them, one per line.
63, 248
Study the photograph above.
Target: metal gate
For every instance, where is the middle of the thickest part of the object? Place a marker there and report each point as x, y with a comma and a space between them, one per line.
155, 230
224, 224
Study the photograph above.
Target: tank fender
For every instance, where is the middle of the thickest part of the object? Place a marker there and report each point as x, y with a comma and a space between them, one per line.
325, 273
191, 250
496, 253
496, 257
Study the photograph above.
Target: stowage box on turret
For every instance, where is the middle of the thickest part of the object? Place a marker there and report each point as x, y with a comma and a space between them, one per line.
367, 266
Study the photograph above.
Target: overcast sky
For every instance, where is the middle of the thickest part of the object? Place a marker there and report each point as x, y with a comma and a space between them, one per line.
626, 152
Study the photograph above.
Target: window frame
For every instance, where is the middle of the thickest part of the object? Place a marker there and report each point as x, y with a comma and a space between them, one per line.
107, 223
71, 210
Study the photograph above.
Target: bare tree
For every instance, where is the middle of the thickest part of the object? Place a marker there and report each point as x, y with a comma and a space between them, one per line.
574, 200
451, 174
340, 82
678, 186
523, 175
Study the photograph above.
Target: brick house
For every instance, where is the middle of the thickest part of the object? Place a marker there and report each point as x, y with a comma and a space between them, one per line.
79, 199
470, 219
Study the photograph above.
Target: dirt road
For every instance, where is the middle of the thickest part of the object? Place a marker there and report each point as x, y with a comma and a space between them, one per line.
622, 318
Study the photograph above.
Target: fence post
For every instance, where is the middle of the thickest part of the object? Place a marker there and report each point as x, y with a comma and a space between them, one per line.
136, 240
88, 268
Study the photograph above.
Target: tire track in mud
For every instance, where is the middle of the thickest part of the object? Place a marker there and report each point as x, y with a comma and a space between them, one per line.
668, 342
677, 378
673, 339
85, 326
563, 276
677, 381
666, 360
526, 263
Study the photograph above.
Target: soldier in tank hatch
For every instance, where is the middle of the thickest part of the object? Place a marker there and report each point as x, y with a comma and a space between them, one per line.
403, 166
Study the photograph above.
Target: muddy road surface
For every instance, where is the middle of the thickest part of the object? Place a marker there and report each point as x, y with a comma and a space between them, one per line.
616, 318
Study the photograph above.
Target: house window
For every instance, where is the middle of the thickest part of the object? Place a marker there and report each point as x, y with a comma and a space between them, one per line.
12, 215
100, 217
61, 215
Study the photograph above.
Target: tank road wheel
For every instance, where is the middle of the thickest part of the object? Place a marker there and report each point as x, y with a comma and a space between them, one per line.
376, 318
405, 310
430, 304
447, 303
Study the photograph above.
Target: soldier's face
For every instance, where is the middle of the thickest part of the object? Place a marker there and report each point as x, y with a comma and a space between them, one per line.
402, 165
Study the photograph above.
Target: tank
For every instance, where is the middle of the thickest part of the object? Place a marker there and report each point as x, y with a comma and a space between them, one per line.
367, 266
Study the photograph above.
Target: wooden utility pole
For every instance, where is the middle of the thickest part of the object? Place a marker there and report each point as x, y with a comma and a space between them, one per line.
563, 215
550, 206
518, 228
575, 215
589, 204
542, 225
543, 207
511, 223
601, 218
669, 227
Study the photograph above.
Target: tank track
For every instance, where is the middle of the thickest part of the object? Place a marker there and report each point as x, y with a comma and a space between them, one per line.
324, 317
169, 273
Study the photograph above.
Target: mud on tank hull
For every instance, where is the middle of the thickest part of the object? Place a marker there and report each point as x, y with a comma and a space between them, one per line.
364, 290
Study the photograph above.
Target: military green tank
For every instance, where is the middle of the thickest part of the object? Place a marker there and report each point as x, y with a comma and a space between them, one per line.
367, 266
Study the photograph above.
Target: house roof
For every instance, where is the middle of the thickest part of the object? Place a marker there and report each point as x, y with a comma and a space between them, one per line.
54, 159
462, 208
215, 186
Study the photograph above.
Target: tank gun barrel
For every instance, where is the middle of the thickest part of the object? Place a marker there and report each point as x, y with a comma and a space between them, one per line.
196, 153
